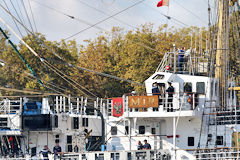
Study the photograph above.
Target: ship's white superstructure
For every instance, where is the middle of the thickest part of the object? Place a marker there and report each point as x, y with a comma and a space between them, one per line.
29, 123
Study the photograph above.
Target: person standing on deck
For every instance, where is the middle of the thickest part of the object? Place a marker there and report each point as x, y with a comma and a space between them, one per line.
57, 150
155, 91
139, 146
146, 145
170, 92
180, 59
45, 151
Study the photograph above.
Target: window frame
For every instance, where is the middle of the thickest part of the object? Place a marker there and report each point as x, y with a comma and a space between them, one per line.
153, 129
160, 75
84, 122
191, 139
199, 87
184, 85
219, 140
143, 128
114, 130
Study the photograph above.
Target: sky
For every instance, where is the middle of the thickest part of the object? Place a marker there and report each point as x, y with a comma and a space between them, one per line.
56, 26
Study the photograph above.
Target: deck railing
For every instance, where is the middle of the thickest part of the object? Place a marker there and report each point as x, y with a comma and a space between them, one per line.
218, 153
188, 64
179, 101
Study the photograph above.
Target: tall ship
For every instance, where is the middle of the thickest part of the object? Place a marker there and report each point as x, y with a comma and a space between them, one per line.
189, 110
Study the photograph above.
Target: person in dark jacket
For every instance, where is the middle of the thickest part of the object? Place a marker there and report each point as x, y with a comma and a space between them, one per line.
170, 92
155, 91
181, 53
57, 150
45, 151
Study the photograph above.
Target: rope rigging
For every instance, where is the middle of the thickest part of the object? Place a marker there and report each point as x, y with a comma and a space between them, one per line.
21, 20
33, 19
190, 12
62, 75
96, 72
71, 65
13, 19
106, 19
25, 10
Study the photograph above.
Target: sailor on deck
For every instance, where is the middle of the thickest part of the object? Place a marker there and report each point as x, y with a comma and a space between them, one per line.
155, 91
57, 150
45, 151
170, 92
180, 59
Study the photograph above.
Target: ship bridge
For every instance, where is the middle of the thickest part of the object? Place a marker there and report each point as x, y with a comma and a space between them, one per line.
189, 96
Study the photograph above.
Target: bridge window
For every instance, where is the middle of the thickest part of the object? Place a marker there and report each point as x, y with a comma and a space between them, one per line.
187, 87
153, 130
190, 141
114, 130
200, 87
141, 129
219, 140
85, 122
158, 76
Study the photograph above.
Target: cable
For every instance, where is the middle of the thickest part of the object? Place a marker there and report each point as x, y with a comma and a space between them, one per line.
118, 20
17, 12
69, 16
24, 91
166, 16
27, 15
90, 25
32, 15
13, 19
45, 62
105, 19
96, 72
100, 11
22, 20
60, 56
190, 12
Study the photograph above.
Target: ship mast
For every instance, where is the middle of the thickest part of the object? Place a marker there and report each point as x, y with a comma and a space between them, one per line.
222, 50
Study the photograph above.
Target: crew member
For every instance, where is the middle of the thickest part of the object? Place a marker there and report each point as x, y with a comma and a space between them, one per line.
146, 145
57, 150
180, 59
170, 92
155, 91
45, 151
140, 146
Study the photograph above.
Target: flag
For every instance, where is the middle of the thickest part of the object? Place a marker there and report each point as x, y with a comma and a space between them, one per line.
163, 3
117, 107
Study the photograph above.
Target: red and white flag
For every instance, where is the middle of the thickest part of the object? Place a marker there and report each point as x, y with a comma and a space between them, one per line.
163, 3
